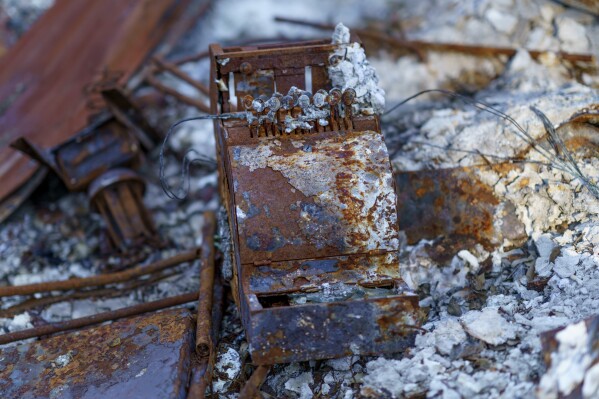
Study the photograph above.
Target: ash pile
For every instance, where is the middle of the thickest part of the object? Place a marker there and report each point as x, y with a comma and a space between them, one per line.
495, 169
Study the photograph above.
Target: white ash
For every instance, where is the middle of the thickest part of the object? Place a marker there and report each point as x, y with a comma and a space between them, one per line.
590, 386
568, 364
567, 264
17, 323
228, 367
457, 131
471, 22
349, 69
489, 326
301, 385
478, 22
447, 335
472, 261
420, 269
63, 360
517, 358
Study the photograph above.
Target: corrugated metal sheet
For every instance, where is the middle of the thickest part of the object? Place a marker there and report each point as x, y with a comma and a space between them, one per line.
47, 78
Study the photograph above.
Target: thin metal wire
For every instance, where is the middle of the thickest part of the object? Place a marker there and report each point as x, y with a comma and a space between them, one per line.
560, 158
183, 189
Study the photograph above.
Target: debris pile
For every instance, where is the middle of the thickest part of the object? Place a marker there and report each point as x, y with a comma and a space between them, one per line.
497, 238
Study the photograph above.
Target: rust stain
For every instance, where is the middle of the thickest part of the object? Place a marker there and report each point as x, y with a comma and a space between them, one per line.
455, 203
339, 204
140, 357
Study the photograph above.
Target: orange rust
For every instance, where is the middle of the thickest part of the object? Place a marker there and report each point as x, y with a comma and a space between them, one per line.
456, 204
103, 356
523, 182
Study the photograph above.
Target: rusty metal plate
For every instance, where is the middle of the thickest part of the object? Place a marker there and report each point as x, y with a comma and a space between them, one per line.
314, 196
142, 357
47, 78
319, 331
455, 203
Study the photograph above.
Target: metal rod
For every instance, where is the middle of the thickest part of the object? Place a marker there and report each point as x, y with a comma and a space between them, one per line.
204, 54
202, 370
190, 58
172, 68
251, 389
475, 50
158, 85
104, 279
204, 326
198, 381
98, 318
36, 303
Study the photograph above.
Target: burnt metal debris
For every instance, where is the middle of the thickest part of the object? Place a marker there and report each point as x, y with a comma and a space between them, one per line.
455, 203
313, 207
312, 210
139, 357
103, 52
252, 387
103, 279
160, 65
98, 318
210, 311
118, 196
95, 129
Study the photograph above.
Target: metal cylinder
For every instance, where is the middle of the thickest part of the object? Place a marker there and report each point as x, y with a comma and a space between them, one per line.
118, 196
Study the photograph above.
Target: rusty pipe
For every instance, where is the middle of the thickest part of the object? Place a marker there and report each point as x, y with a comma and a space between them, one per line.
104, 279
251, 389
98, 318
158, 85
172, 68
419, 45
204, 322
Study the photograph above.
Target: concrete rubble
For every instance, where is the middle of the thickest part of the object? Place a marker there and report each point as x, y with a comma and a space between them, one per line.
487, 306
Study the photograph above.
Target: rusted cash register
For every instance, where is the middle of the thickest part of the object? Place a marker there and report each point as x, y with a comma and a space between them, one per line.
309, 193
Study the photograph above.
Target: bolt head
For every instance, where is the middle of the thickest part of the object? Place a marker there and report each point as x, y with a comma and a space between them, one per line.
246, 68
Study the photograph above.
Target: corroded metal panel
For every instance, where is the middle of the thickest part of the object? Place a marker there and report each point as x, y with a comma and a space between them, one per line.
322, 196
455, 203
325, 330
141, 357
